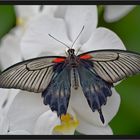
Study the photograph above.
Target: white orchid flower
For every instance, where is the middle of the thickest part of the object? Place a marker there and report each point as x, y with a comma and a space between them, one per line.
64, 24
116, 12
10, 54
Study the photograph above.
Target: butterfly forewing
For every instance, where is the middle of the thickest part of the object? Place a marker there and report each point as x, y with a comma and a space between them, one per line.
32, 75
114, 65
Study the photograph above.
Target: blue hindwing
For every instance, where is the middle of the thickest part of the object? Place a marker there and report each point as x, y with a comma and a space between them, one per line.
57, 94
95, 89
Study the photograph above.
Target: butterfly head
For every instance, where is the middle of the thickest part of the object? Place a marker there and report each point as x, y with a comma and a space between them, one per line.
71, 52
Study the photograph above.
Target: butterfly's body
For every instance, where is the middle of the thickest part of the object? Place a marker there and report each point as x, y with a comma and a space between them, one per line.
74, 69
72, 62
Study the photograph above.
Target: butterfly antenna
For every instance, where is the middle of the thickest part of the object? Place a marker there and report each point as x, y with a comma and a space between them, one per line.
78, 50
78, 36
59, 41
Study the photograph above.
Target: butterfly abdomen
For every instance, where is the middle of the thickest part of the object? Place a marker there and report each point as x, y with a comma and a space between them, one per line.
74, 76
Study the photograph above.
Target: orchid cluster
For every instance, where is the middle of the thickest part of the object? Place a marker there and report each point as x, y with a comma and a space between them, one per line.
22, 112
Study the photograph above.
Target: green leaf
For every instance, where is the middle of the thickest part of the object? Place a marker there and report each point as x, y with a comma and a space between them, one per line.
7, 19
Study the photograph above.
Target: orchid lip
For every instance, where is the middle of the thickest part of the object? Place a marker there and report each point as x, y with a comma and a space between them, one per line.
68, 125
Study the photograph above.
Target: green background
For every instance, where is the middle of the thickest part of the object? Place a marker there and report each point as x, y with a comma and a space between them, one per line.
127, 120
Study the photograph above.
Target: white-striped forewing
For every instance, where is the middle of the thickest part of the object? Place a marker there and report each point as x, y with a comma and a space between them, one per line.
114, 65
32, 75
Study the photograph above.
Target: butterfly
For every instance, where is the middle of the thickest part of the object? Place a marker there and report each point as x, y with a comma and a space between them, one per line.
54, 76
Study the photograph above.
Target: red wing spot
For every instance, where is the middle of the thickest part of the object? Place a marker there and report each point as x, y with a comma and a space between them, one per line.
58, 60
86, 56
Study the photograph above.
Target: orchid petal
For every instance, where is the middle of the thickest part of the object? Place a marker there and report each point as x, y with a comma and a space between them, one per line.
4, 123
103, 38
37, 42
82, 110
26, 11
116, 12
3, 96
78, 16
46, 123
89, 129
7, 97
50, 10
18, 132
25, 110
9, 51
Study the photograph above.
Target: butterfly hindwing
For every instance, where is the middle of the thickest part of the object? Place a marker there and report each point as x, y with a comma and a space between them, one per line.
32, 75
113, 65
95, 89
57, 93
99, 69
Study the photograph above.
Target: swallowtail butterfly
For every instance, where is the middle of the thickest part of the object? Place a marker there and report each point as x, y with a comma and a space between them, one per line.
94, 71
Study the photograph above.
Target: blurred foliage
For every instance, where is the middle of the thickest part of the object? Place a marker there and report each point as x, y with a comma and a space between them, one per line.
127, 120
7, 19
